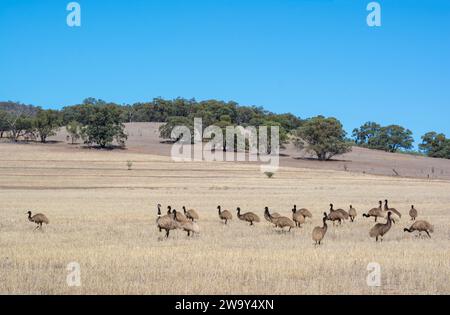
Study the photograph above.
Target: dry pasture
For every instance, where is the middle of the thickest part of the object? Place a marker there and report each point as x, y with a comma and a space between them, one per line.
103, 217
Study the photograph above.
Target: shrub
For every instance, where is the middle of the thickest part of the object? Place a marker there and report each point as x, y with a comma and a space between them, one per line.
129, 165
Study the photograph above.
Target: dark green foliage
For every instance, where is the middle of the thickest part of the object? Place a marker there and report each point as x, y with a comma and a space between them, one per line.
105, 126
20, 126
172, 122
323, 136
17, 119
83, 112
161, 110
394, 137
46, 123
4, 126
78, 113
19, 108
367, 133
390, 138
435, 145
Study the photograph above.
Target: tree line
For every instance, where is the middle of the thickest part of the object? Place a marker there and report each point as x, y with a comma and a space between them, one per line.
101, 123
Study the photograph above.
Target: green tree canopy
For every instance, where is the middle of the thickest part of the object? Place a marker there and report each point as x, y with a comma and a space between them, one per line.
395, 137
323, 136
366, 133
105, 126
46, 123
75, 130
4, 126
390, 138
435, 145
172, 122
20, 126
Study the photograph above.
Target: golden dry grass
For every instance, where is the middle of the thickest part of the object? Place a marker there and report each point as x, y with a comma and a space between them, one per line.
103, 217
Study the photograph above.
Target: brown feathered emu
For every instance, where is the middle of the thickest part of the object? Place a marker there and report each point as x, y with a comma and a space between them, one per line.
375, 212
166, 222
280, 221
248, 216
380, 229
191, 214
224, 215
39, 219
421, 226
413, 213
319, 231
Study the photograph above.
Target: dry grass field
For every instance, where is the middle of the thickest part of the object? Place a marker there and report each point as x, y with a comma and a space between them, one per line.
103, 217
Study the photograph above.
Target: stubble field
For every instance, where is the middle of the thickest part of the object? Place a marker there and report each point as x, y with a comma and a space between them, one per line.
102, 216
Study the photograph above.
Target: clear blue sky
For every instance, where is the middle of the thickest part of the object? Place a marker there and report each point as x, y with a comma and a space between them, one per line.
301, 56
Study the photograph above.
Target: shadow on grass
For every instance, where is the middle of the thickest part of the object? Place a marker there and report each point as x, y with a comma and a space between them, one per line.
301, 158
108, 148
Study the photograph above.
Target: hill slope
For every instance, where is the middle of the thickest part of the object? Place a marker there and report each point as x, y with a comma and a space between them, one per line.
144, 138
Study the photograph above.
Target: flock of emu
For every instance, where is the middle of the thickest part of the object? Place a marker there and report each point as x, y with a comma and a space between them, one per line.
186, 220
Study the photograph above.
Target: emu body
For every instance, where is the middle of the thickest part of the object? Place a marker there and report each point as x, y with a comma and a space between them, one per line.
224, 215
248, 216
380, 229
319, 231
39, 219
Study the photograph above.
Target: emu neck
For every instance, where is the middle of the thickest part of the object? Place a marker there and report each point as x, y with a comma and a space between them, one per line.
325, 226
389, 222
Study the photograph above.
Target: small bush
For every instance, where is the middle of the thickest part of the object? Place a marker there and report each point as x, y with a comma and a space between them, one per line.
269, 174
129, 165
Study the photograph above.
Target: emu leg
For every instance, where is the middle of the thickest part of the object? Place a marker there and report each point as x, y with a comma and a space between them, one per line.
167, 233
428, 234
